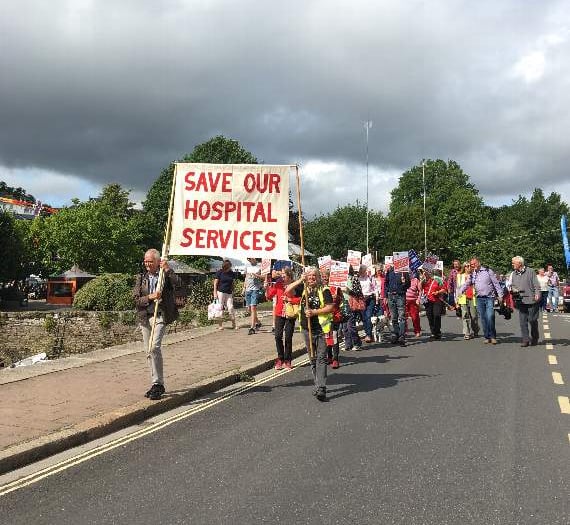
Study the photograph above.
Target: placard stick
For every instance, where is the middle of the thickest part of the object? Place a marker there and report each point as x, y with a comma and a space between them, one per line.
310, 349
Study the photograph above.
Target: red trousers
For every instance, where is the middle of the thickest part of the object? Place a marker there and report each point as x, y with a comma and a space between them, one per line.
413, 311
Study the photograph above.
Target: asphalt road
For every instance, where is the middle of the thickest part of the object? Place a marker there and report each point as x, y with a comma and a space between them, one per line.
447, 432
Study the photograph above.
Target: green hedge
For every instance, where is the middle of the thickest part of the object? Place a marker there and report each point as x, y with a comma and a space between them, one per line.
110, 291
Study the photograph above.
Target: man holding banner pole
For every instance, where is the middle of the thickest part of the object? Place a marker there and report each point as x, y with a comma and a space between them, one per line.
156, 304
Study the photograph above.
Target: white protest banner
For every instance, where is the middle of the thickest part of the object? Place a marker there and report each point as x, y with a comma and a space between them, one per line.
430, 262
353, 258
265, 266
401, 261
439, 265
339, 274
388, 260
231, 210
325, 262
367, 260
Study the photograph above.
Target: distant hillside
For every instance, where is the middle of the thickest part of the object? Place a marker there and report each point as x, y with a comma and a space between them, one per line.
15, 193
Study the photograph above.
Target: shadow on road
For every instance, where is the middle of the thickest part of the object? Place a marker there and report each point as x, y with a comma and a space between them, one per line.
339, 384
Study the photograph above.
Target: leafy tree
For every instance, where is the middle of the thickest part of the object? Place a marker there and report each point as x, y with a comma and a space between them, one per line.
456, 215
345, 229
12, 248
100, 235
529, 228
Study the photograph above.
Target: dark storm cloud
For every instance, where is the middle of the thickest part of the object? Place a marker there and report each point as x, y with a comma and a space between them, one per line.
115, 91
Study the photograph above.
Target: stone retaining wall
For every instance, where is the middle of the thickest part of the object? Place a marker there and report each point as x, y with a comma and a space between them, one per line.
23, 334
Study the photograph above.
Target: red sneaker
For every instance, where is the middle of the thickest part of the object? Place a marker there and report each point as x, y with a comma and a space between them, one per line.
278, 364
335, 364
288, 365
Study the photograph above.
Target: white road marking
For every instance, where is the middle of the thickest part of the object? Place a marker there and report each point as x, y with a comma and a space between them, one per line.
557, 378
552, 360
564, 403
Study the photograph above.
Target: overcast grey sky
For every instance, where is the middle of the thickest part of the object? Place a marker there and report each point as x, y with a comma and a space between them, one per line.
100, 91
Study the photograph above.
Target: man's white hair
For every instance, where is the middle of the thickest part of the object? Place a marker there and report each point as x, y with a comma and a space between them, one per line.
154, 252
519, 259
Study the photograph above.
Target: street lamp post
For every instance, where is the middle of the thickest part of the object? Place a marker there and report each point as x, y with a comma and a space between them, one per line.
367, 126
425, 217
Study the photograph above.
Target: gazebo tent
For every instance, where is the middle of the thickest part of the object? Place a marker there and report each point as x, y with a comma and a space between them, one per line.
188, 275
62, 288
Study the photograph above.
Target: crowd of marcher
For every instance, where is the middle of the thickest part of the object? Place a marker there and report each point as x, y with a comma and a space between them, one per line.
378, 299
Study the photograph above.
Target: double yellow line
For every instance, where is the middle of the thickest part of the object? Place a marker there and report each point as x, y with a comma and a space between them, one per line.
154, 427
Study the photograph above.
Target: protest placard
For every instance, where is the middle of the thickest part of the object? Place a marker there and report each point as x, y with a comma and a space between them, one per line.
401, 262
353, 258
367, 260
325, 262
414, 260
388, 260
265, 266
430, 262
339, 274
227, 210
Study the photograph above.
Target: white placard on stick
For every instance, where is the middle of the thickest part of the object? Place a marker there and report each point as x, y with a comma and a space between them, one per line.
401, 261
353, 258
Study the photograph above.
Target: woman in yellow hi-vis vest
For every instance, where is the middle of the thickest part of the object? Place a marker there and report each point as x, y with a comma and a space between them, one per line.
319, 314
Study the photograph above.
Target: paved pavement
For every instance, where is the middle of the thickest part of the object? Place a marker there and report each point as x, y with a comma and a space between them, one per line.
52, 406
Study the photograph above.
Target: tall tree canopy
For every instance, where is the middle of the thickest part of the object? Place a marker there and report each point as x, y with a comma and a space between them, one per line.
12, 248
455, 214
100, 235
529, 228
345, 229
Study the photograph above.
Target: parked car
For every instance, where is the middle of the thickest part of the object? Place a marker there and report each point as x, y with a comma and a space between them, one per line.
566, 295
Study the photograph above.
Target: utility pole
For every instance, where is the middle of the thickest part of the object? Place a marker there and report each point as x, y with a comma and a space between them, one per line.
367, 126
425, 217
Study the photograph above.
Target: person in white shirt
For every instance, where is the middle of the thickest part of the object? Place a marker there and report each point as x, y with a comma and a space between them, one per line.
543, 282
252, 286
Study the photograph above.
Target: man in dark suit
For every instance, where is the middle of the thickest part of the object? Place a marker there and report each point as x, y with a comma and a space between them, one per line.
147, 293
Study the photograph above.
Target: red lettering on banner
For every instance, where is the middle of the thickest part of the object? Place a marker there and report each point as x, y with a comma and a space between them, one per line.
187, 235
208, 182
224, 241
230, 208
262, 182
226, 183
189, 182
242, 242
247, 210
217, 210
274, 183
200, 238
220, 239
270, 240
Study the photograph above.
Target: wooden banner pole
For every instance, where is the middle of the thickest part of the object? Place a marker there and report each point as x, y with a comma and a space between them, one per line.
310, 349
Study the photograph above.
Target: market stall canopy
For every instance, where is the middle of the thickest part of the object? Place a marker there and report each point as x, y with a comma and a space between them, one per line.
295, 249
179, 267
75, 272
